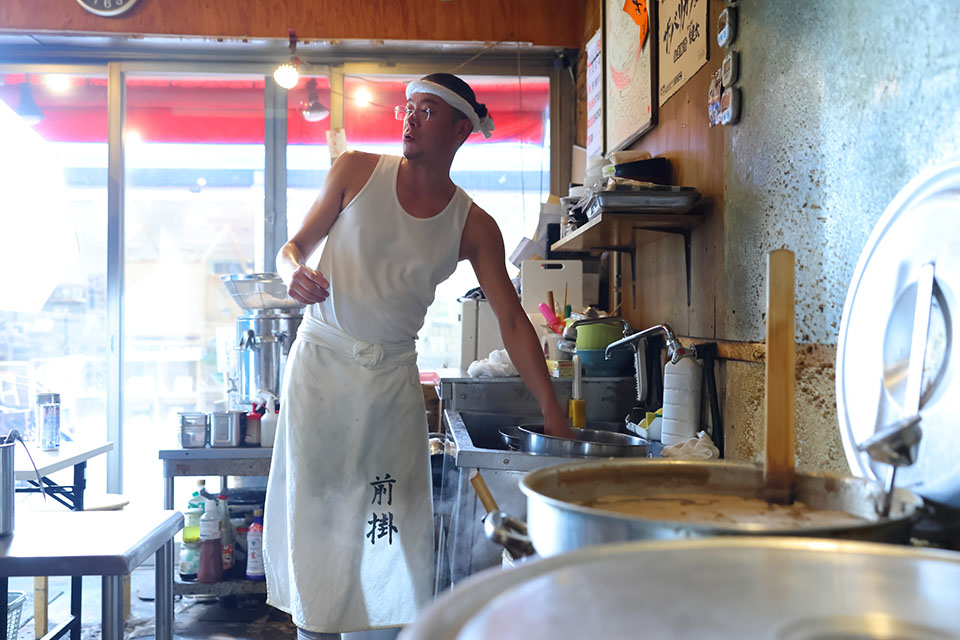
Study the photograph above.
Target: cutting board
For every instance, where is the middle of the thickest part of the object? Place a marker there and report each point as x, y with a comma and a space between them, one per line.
537, 277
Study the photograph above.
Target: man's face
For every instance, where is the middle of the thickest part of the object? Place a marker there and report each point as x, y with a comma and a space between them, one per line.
441, 132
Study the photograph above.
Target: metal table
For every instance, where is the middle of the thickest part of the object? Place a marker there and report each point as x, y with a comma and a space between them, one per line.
110, 544
70, 454
212, 461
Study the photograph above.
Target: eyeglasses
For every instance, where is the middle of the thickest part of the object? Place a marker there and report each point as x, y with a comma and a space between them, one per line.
401, 113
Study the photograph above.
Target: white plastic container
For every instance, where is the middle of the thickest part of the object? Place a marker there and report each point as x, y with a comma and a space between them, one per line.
268, 428
681, 401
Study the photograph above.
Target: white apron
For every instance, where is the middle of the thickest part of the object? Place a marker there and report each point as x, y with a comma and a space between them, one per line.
348, 523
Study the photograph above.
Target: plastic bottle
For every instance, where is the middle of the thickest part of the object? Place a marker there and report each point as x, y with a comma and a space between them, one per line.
226, 533
255, 570
268, 426
211, 552
197, 499
189, 561
681, 401
191, 525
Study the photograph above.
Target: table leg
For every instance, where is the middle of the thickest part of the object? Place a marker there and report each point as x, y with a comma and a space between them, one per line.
76, 605
79, 484
3, 627
112, 608
168, 493
163, 602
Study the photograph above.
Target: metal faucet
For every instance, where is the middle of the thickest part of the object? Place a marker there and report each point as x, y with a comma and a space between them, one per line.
675, 348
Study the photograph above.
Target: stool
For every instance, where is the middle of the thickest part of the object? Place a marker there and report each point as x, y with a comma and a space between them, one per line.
41, 584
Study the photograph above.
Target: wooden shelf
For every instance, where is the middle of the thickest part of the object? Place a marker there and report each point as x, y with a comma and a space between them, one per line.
624, 231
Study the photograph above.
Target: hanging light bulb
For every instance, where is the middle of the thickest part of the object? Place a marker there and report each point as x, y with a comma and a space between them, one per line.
287, 75
28, 109
313, 110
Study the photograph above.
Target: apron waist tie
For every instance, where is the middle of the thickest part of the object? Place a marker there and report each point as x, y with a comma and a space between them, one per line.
364, 353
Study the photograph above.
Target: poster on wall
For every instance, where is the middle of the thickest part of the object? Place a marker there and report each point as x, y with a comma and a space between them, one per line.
682, 28
595, 96
629, 88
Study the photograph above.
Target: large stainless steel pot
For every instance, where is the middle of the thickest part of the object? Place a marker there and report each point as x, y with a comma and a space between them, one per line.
264, 339
557, 522
771, 588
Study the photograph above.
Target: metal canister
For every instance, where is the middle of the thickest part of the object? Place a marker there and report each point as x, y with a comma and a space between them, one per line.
48, 420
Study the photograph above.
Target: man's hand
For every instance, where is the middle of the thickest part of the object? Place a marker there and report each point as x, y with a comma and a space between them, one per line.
556, 423
308, 286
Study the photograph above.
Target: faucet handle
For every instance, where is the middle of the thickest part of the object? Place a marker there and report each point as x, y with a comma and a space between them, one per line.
678, 352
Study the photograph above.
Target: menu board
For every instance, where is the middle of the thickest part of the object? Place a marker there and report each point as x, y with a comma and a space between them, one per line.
682, 41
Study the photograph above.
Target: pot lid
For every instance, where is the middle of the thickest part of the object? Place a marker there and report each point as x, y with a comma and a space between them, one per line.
919, 233
784, 588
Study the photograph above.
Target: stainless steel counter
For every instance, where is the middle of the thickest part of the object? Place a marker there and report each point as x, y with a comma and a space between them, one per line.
474, 411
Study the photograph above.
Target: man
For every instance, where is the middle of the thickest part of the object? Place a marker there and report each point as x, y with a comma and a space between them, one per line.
348, 538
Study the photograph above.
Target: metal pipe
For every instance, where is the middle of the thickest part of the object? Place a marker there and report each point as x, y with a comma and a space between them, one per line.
163, 602
112, 608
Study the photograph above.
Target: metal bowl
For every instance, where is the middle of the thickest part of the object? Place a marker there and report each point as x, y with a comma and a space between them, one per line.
586, 443
253, 291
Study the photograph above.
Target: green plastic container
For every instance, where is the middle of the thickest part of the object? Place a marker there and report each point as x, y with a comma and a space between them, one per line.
598, 336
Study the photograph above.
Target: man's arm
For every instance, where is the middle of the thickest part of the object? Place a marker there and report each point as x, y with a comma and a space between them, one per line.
482, 244
303, 283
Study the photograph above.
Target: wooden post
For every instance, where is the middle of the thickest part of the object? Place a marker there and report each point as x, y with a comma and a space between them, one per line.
41, 588
779, 399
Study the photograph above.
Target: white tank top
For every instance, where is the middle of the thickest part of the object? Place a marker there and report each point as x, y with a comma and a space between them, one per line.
384, 264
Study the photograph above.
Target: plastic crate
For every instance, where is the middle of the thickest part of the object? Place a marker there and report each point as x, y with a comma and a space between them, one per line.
15, 600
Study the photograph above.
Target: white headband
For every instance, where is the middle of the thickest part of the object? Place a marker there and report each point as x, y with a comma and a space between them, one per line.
455, 100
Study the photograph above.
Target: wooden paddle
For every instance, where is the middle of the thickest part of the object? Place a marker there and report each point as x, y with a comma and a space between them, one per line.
778, 463
483, 492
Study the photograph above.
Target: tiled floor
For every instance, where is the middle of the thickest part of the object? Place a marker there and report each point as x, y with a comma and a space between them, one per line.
195, 619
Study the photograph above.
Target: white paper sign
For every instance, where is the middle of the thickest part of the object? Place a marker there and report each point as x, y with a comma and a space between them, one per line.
337, 142
682, 26
595, 96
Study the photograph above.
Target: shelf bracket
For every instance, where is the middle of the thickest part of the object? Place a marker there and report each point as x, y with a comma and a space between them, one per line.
685, 232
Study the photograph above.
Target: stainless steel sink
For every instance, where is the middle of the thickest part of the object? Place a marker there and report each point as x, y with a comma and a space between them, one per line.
474, 412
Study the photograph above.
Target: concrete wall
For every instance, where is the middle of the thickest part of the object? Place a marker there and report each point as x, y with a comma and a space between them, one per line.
844, 102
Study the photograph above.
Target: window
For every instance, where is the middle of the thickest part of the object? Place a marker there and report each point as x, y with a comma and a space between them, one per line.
193, 211
53, 216
308, 156
507, 175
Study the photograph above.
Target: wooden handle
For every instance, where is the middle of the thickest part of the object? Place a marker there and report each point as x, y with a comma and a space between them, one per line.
552, 304
483, 492
778, 467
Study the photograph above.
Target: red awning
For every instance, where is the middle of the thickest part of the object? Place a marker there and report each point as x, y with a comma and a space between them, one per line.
228, 110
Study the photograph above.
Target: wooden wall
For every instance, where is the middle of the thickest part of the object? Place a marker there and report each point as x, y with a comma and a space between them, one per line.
540, 22
696, 151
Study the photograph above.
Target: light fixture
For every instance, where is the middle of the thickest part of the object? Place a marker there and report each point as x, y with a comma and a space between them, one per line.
313, 110
287, 75
28, 109
362, 97
132, 137
58, 82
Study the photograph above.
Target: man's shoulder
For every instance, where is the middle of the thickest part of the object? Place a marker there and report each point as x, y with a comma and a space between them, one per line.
356, 159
